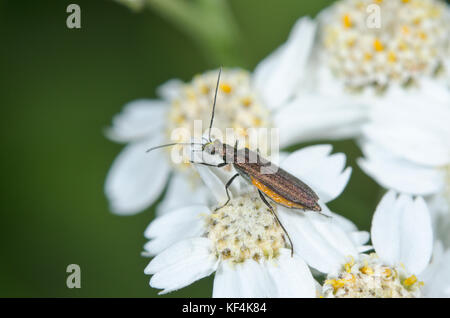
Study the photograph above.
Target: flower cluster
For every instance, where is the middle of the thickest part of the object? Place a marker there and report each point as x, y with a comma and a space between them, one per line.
410, 40
387, 85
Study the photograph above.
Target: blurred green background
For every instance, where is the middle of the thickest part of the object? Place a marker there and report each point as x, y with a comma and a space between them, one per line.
59, 89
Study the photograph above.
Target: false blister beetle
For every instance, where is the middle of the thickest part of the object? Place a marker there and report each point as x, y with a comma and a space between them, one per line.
271, 181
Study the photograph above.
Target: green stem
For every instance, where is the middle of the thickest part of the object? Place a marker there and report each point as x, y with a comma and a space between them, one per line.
209, 22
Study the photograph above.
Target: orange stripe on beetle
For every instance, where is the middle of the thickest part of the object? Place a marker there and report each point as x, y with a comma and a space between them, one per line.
274, 196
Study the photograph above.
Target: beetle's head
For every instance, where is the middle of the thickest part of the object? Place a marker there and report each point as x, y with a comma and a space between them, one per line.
213, 147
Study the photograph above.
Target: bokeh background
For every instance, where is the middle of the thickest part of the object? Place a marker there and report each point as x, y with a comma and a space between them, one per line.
59, 89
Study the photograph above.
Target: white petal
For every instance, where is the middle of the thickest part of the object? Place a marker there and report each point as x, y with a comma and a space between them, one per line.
226, 282
401, 231
438, 204
400, 174
292, 277
181, 265
278, 75
360, 237
440, 208
245, 280
319, 240
170, 90
215, 180
313, 117
177, 253
365, 248
311, 154
173, 227
419, 110
138, 119
437, 276
282, 155
413, 143
321, 171
436, 89
181, 192
136, 178
343, 222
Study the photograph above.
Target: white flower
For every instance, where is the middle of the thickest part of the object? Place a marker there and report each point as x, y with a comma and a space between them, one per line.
437, 275
398, 75
386, 44
400, 267
243, 243
406, 147
261, 99
353, 67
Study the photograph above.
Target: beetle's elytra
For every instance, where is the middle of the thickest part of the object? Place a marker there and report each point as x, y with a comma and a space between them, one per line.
275, 183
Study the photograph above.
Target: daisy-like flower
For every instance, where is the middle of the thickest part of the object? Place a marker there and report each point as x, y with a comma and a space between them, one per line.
400, 267
386, 43
243, 243
361, 64
391, 59
246, 100
406, 147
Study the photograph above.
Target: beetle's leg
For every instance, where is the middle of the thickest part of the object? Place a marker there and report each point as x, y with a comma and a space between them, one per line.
220, 165
226, 189
277, 219
258, 161
323, 214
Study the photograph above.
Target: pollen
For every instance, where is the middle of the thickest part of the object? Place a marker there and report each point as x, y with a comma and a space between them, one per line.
239, 106
245, 229
422, 35
367, 270
413, 36
257, 122
336, 283
411, 280
377, 45
387, 272
204, 89
392, 57
226, 88
369, 277
348, 266
346, 21
246, 101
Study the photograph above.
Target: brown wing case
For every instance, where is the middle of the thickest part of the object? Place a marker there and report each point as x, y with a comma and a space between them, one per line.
280, 182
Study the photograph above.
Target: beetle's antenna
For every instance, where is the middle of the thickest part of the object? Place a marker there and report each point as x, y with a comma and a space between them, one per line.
214, 104
173, 144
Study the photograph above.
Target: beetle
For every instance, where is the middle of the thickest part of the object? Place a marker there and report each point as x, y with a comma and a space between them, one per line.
275, 183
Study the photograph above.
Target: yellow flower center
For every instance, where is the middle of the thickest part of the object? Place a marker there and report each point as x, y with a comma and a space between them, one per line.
411, 280
369, 277
408, 39
238, 106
